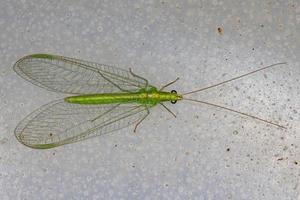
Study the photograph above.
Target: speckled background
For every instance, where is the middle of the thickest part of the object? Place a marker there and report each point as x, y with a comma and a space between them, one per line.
205, 153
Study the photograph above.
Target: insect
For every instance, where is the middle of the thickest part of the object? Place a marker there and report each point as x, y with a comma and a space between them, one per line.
104, 99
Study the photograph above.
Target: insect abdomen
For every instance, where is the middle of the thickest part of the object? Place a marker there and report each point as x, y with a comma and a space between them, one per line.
103, 98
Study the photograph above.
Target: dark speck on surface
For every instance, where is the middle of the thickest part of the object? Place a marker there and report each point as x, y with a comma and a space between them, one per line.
235, 132
220, 30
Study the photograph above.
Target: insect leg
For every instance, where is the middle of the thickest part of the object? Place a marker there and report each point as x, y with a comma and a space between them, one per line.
139, 122
168, 109
163, 87
135, 75
108, 111
113, 83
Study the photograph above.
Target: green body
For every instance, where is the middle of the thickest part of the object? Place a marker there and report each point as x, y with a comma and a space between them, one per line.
149, 97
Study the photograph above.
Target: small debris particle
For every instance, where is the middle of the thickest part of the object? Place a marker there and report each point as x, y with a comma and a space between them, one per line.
279, 159
295, 162
220, 30
235, 132
228, 149
3, 141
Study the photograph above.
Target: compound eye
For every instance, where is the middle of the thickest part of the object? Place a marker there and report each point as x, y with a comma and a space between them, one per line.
173, 92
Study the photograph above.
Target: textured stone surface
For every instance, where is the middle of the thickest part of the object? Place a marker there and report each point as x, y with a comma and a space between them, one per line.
205, 153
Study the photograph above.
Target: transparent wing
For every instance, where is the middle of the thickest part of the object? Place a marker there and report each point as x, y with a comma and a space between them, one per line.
73, 76
59, 122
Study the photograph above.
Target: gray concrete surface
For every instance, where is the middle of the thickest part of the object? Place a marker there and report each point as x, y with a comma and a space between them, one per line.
205, 153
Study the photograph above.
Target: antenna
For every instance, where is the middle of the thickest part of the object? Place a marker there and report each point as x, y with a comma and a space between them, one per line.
235, 111
238, 77
229, 109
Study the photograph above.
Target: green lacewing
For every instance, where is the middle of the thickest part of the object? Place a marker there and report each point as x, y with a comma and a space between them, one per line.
104, 99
